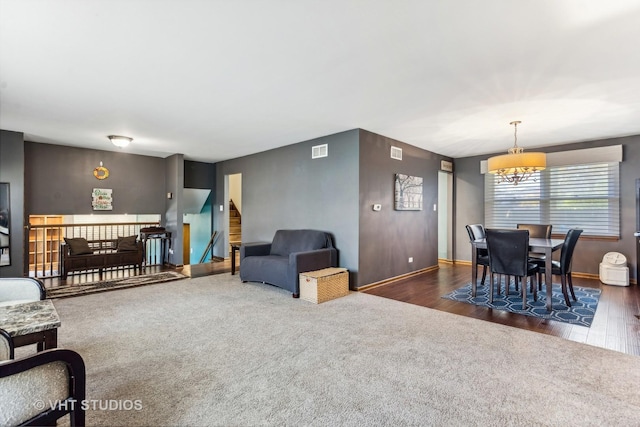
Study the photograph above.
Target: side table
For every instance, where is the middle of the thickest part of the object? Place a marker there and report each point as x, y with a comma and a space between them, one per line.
34, 322
235, 247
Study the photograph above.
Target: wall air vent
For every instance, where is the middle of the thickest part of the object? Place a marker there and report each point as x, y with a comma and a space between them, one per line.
318, 151
396, 153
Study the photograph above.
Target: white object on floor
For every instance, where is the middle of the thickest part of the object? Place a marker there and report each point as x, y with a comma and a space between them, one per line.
614, 270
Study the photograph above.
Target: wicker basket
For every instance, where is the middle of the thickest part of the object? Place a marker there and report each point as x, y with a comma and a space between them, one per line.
324, 285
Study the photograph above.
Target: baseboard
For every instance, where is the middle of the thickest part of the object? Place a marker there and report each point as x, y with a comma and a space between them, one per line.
395, 279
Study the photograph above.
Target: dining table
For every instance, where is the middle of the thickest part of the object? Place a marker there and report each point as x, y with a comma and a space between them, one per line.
537, 245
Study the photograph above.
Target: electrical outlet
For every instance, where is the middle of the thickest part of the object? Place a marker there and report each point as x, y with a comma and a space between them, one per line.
410, 259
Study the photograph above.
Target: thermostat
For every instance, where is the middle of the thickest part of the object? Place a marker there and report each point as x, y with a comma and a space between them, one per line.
377, 207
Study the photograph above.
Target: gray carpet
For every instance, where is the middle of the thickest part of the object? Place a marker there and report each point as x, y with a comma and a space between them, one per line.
215, 351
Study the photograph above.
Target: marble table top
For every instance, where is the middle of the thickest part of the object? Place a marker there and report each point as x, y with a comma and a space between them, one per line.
29, 317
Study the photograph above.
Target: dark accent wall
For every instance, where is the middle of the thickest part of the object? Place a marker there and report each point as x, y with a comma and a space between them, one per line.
389, 237
469, 205
203, 176
285, 189
12, 171
59, 180
199, 175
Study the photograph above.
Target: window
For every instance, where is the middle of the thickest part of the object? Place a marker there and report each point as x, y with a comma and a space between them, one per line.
585, 196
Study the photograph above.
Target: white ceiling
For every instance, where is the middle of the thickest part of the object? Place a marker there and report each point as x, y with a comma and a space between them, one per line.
215, 80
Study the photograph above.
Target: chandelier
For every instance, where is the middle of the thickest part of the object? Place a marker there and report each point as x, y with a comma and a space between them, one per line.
517, 166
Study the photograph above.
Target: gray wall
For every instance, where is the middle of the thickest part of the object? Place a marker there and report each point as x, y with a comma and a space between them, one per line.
60, 180
174, 173
12, 171
285, 189
388, 238
469, 205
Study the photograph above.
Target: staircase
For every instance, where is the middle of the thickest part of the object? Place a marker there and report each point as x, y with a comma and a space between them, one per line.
235, 225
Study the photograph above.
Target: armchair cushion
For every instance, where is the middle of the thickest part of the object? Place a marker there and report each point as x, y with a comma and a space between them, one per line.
289, 241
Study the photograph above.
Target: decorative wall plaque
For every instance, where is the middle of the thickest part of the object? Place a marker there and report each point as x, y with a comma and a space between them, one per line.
101, 199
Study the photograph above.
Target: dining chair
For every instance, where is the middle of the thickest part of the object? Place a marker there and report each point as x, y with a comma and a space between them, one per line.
37, 390
18, 290
508, 255
476, 232
562, 267
539, 231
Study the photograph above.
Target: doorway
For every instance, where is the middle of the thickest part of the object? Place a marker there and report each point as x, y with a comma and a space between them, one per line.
233, 219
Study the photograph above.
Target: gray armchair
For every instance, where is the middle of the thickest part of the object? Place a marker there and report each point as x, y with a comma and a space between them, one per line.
290, 253
18, 290
30, 386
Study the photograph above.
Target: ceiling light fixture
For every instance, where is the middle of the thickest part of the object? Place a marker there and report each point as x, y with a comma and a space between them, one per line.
517, 166
120, 141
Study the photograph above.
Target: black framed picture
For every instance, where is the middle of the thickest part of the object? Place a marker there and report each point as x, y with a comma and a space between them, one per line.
408, 193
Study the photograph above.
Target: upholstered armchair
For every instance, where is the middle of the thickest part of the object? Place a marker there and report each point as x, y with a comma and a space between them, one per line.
39, 389
291, 252
18, 290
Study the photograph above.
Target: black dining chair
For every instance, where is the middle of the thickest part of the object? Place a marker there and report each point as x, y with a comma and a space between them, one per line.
539, 231
508, 255
562, 268
476, 232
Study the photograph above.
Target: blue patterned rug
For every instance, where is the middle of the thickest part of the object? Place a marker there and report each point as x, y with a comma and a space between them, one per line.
581, 312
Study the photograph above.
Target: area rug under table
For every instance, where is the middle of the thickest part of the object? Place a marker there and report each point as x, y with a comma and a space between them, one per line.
581, 312
107, 285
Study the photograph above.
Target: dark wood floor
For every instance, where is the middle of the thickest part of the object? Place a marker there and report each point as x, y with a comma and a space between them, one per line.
616, 325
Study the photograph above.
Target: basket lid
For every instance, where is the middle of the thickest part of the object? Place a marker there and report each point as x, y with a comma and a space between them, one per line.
325, 272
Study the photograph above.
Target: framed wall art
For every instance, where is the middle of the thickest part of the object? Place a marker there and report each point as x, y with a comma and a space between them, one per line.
408, 193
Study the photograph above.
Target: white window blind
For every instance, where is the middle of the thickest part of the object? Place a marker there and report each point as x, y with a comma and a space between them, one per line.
575, 196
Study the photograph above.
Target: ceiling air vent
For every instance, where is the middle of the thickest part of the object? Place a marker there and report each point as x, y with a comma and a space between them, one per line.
396, 153
318, 151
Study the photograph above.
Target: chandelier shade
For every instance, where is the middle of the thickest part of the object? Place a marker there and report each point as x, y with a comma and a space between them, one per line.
516, 166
